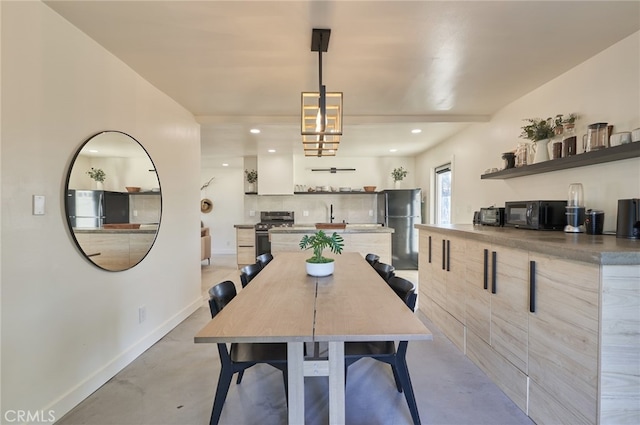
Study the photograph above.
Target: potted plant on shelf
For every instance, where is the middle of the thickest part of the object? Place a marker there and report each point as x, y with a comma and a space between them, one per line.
317, 265
252, 178
98, 175
398, 175
539, 131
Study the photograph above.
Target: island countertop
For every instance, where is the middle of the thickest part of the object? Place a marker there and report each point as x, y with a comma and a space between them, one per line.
101, 230
350, 228
598, 249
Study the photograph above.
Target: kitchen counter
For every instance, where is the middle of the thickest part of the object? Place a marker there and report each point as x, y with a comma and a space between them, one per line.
361, 238
350, 228
244, 226
596, 249
142, 230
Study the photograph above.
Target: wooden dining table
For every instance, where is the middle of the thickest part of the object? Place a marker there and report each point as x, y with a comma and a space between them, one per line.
284, 304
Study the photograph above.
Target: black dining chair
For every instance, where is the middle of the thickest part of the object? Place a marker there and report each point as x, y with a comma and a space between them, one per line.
385, 351
264, 259
372, 259
386, 271
242, 355
247, 273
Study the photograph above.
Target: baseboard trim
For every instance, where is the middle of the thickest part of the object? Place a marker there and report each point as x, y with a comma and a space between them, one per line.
67, 401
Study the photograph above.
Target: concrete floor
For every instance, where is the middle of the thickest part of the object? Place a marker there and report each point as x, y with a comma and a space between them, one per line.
174, 383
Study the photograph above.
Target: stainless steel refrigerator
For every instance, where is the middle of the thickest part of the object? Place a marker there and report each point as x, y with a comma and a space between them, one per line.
85, 208
400, 210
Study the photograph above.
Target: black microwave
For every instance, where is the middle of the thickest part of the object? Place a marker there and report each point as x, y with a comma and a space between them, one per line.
536, 215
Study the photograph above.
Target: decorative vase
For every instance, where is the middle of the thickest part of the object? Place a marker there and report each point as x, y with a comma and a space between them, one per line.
397, 183
251, 188
320, 269
542, 151
99, 185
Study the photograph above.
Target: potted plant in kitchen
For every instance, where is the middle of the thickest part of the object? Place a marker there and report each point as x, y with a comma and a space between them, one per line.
317, 265
398, 175
539, 131
98, 175
252, 178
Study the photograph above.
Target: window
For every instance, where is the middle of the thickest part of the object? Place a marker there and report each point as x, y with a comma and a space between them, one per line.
443, 194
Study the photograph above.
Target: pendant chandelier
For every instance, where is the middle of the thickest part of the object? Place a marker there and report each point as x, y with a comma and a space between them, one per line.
321, 117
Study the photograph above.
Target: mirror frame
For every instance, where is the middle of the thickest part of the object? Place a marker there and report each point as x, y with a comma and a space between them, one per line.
66, 206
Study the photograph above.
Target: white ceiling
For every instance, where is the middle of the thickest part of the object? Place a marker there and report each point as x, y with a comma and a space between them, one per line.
434, 65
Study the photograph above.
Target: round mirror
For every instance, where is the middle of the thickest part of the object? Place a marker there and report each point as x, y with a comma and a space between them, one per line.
113, 201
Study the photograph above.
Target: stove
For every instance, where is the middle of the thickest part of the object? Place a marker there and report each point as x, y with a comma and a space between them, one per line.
268, 220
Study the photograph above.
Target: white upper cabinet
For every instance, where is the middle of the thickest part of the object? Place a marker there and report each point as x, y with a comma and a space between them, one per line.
275, 174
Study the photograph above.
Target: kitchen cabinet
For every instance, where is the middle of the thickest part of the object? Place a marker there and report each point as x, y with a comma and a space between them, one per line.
245, 245
275, 174
442, 283
560, 334
563, 341
115, 250
497, 308
361, 239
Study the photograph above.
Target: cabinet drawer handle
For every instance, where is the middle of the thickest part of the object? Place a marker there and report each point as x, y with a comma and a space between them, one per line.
486, 269
493, 272
448, 257
429, 249
443, 254
532, 286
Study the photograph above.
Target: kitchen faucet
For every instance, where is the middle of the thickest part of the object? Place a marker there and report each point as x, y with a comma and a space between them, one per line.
331, 217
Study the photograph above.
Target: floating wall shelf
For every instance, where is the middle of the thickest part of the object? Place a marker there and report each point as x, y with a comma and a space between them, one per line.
629, 150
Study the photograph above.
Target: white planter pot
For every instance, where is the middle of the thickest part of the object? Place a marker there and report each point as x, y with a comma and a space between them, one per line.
542, 151
320, 269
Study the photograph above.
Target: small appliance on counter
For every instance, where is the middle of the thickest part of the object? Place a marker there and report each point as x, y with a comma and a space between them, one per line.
535, 215
575, 209
594, 222
628, 223
491, 216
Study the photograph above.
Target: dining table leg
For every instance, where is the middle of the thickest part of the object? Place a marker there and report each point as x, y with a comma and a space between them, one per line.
336, 383
295, 369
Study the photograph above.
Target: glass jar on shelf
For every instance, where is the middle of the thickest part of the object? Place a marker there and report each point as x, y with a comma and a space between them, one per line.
569, 140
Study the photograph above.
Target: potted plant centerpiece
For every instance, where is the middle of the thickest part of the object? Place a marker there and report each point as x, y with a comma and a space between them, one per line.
398, 175
318, 265
98, 175
252, 178
539, 131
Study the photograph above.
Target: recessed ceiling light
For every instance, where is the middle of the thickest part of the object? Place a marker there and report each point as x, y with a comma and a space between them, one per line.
271, 150
224, 164
93, 151
255, 131
393, 150
416, 131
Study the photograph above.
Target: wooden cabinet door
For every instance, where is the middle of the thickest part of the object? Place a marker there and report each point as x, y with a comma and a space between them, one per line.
438, 252
454, 277
245, 246
425, 282
563, 342
509, 287
477, 290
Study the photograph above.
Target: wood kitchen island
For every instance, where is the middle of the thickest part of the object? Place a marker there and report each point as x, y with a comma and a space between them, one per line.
361, 238
552, 318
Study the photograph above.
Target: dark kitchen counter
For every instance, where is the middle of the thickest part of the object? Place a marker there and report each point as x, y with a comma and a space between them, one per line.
244, 226
598, 249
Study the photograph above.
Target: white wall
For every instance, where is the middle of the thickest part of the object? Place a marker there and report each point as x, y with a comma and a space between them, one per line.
67, 326
605, 88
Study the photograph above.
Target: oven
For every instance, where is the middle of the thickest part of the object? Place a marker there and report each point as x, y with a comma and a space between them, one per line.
269, 219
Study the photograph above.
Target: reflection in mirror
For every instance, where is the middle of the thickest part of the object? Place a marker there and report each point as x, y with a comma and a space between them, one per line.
113, 201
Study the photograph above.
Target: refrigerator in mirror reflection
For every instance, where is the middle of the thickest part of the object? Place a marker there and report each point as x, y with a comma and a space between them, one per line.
85, 208
401, 210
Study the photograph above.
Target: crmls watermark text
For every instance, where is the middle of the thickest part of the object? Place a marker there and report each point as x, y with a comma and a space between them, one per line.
36, 416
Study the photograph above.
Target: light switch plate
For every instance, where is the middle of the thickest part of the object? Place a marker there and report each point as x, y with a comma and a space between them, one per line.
38, 204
